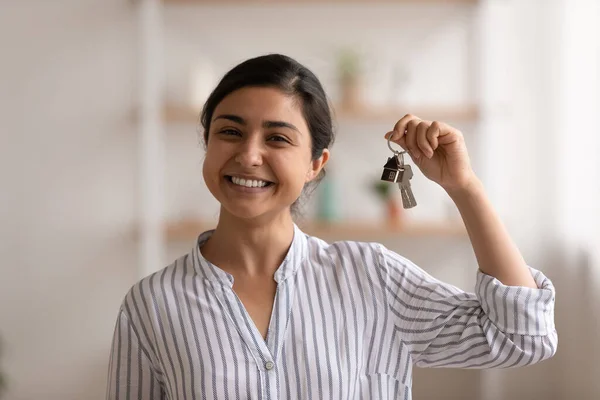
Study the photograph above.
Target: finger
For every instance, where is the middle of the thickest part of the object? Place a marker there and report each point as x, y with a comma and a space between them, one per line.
400, 141
400, 127
448, 134
411, 138
432, 135
422, 141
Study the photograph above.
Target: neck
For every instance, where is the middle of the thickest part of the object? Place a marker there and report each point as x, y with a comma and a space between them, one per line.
249, 248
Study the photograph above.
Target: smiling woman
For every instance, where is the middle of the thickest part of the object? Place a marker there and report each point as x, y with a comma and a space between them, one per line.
292, 111
259, 135
260, 310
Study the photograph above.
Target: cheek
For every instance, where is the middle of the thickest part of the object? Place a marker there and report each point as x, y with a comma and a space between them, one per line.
294, 168
206, 169
211, 164
208, 176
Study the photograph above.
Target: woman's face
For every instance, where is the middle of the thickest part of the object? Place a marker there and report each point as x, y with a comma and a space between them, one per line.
258, 155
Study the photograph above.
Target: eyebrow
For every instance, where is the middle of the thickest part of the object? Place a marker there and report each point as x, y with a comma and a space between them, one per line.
266, 124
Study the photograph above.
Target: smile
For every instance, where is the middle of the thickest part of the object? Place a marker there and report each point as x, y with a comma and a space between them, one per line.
248, 183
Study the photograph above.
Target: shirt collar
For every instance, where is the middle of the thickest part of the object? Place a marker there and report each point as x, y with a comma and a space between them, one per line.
296, 254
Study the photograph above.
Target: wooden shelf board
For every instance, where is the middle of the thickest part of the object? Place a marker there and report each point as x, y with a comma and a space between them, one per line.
282, 2
181, 114
346, 230
431, 113
174, 114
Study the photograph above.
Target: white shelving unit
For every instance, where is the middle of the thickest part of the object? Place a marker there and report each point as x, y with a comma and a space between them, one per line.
155, 114
151, 139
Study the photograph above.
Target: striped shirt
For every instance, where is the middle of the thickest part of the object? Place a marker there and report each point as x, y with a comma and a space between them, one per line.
349, 321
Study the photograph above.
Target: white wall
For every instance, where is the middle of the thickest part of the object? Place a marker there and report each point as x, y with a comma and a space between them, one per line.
544, 63
68, 173
69, 163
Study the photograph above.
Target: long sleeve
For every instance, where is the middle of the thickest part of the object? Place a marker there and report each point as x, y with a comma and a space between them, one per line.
131, 374
498, 326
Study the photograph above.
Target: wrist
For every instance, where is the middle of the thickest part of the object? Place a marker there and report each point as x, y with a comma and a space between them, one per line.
470, 188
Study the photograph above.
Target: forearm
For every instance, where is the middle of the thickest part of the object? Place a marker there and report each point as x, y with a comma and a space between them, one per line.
496, 253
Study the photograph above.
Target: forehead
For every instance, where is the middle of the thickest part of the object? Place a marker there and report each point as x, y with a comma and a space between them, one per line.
257, 104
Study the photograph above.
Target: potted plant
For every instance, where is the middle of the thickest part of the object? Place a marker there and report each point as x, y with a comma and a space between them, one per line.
383, 190
349, 70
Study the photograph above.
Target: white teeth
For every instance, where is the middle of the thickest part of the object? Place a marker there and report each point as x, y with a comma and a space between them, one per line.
248, 183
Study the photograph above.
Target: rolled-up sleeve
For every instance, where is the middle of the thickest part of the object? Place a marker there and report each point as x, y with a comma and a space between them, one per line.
515, 309
498, 326
131, 374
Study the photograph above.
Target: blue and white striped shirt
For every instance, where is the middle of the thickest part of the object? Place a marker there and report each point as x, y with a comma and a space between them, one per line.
349, 321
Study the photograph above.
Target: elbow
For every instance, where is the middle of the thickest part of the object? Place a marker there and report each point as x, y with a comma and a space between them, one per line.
535, 350
542, 348
550, 343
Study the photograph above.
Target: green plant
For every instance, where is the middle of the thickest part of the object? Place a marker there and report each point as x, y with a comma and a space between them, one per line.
382, 189
348, 64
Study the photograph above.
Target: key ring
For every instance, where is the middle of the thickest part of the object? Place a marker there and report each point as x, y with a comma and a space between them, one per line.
399, 154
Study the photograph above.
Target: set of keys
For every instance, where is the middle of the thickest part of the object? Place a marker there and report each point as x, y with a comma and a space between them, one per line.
396, 171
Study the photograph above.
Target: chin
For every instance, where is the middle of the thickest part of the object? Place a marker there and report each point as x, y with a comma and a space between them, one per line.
251, 212
250, 205
244, 213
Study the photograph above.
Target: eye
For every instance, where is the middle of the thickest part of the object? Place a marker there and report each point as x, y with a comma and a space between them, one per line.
278, 138
229, 132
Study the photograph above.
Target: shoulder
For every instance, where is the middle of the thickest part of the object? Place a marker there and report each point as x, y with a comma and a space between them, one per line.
370, 254
364, 254
158, 288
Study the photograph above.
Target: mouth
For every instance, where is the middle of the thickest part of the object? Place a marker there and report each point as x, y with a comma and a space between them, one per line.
255, 184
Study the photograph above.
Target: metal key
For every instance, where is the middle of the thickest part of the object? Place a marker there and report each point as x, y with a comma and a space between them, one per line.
406, 174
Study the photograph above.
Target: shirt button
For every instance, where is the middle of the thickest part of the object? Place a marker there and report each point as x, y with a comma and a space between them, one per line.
269, 365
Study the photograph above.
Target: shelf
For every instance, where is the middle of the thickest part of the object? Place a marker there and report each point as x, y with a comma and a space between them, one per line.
351, 230
464, 113
174, 114
280, 2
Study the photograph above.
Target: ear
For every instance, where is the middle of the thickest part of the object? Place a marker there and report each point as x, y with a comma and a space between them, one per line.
317, 165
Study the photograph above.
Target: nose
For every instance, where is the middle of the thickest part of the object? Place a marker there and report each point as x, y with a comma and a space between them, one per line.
250, 153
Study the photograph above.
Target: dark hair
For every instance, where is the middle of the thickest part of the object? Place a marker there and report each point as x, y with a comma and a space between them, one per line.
292, 78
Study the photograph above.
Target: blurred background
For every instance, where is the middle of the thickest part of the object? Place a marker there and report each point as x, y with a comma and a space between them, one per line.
101, 159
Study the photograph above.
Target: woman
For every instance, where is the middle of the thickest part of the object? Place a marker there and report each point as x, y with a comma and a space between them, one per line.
260, 310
